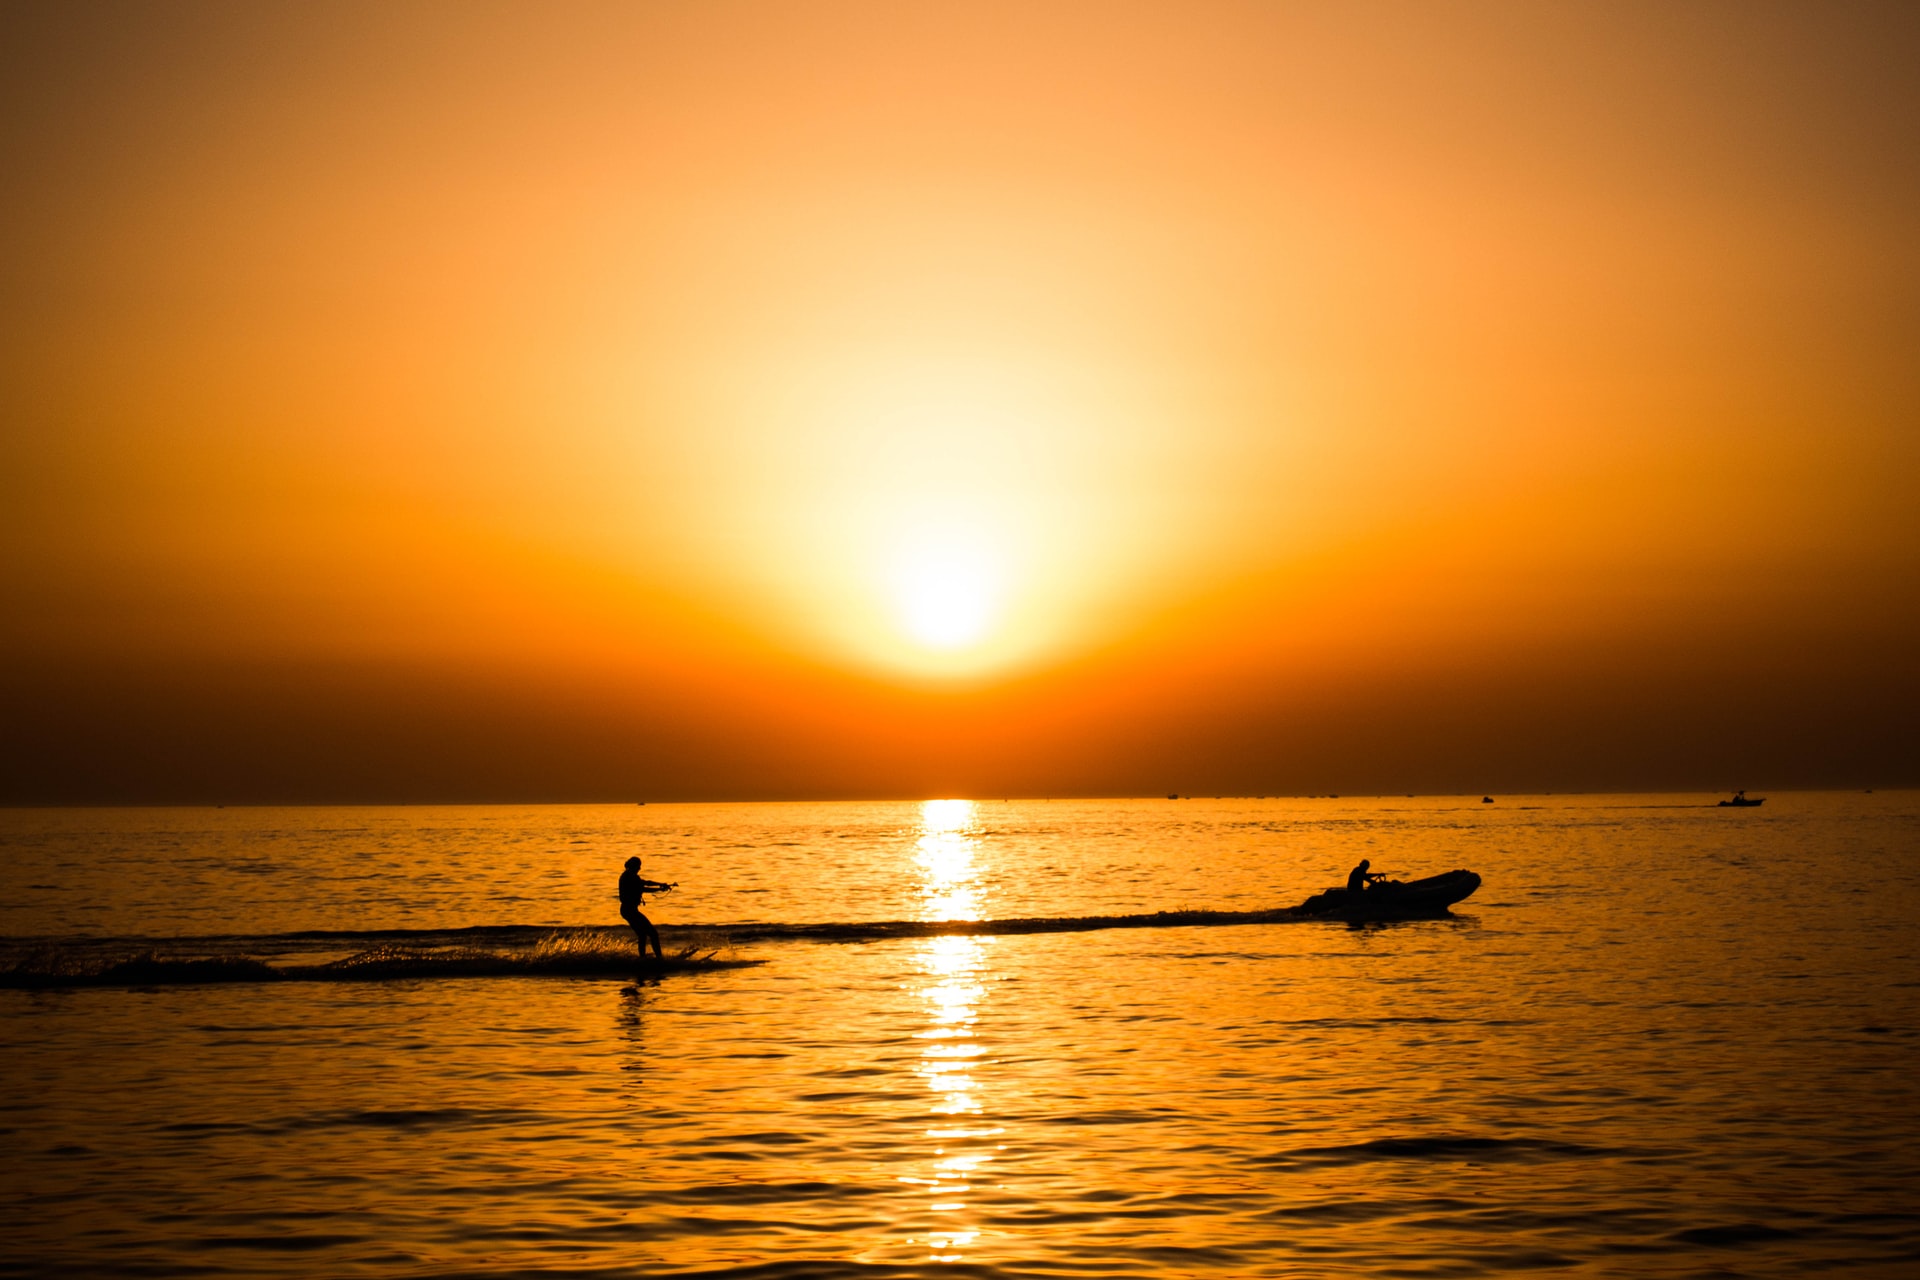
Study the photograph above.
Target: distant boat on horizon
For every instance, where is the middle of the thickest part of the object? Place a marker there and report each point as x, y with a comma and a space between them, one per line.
1740, 801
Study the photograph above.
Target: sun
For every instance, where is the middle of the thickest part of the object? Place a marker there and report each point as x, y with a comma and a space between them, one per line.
946, 591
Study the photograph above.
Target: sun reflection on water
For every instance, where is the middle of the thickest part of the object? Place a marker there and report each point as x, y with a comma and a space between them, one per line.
949, 1064
953, 970
949, 838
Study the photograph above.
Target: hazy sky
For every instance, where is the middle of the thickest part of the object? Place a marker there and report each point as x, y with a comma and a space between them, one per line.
753, 400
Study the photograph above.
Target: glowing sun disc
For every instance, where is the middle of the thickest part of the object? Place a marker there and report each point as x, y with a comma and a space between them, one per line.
945, 594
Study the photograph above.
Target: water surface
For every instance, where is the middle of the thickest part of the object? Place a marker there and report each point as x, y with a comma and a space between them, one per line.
1663, 1039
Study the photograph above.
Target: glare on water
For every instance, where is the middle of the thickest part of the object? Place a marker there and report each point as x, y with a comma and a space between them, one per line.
945, 853
951, 988
951, 1061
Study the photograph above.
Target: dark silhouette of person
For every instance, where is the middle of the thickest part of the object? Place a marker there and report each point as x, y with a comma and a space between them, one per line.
1360, 878
633, 891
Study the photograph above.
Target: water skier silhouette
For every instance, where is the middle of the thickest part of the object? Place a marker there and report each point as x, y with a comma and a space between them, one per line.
633, 891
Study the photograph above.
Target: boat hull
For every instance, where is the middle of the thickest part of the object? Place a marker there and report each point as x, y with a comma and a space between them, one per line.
1393, 900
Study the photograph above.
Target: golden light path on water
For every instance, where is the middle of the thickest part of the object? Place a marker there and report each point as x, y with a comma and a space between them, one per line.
953, 971
949, 838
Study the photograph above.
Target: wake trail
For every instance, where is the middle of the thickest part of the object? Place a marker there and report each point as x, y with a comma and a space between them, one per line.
880, 930
316, 955
529, 935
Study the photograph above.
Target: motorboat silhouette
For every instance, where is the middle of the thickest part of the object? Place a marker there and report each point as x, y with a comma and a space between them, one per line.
1740, 801
1393, 899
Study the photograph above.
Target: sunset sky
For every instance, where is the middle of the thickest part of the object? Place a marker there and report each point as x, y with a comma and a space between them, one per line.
684, 401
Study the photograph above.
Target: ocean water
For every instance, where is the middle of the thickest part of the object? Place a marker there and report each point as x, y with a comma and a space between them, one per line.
1663, 1039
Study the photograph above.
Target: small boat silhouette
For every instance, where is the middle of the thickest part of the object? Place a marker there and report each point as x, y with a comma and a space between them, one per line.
1426, 899
1740, 801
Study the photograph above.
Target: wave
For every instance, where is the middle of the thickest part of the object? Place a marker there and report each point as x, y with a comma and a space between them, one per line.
1450, 1148
527, 935
565, 954
881, 930
508, 950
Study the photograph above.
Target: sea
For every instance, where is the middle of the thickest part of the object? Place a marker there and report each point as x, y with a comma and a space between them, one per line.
1664, 1038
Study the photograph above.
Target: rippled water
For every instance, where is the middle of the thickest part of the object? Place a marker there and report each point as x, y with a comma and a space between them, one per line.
1663, 1039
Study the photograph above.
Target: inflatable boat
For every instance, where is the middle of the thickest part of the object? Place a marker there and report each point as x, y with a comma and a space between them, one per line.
1394, 899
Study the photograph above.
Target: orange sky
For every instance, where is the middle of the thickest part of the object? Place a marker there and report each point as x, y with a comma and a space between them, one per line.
538, 402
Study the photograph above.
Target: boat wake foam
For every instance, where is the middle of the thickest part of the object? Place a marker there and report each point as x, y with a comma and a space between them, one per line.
505, 950
566, 954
